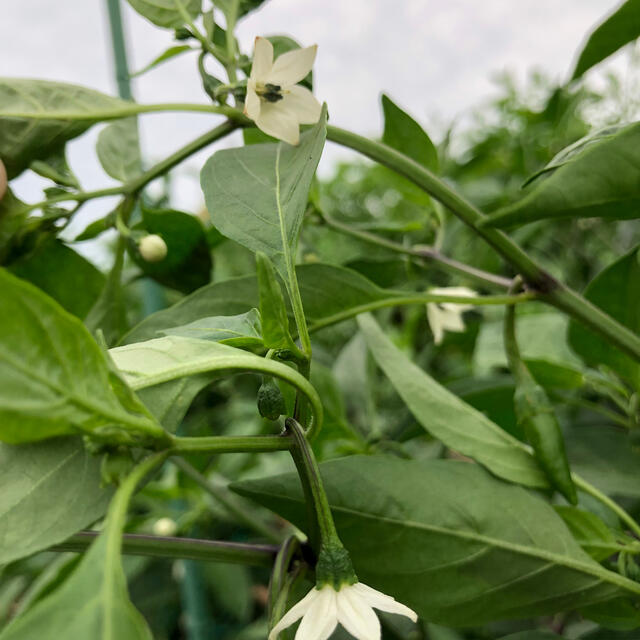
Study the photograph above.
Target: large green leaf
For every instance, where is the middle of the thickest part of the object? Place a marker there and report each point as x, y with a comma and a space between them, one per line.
167, 13
601, 180
620, 28
118, 149
404, 134
50, 490
449, 540
24, 138
449, 419
257, 195
93, 602
329, 294
54, 380
615, 290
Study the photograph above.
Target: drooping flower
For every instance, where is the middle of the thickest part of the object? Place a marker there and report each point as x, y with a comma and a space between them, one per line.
322, 609
447, 316
275, 101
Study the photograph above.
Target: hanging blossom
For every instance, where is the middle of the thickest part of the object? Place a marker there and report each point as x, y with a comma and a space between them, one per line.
447, 316
351, 605
275, 101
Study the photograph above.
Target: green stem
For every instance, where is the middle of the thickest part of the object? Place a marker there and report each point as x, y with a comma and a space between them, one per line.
230, 444
221, 495
232, 16
428, 253
587, 487
551, 291
186, 548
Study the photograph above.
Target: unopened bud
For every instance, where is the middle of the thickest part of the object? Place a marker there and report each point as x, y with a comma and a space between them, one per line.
153, 248
165, 527
3, 180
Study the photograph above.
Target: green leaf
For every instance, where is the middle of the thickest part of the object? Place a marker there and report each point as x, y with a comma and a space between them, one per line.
242, 330
24, 139
118, 149
449, 540
531, 635
74, 283
12, 217
56, 482
620, 613
449, 419
273, 310
620, 28
167, 13
244, 6
55, 168
589, 531
616, 290
601, 180
187, 265
169, 53
94, 602
257, 195
403, 133
54, 380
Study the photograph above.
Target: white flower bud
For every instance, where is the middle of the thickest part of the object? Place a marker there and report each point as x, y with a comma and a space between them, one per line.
153, 248
3, 180
165, 527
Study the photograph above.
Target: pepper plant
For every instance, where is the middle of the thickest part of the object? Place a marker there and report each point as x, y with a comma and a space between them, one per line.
432, 428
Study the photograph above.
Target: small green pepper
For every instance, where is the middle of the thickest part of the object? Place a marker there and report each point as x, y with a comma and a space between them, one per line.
271, 404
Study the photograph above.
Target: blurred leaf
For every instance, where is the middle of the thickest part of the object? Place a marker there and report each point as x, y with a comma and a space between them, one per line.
56, 482
600, 181
403, 133
621, 614
24, 139
589, 531
187, 264
620, 28
616, 290
55, 168
167, 54
54, 379
463, 550
446, 417
244, 6
118, 149
257, 195
73, 281
165, 13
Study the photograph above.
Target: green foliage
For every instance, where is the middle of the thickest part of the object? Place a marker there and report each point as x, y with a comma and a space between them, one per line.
170, 14
118, 149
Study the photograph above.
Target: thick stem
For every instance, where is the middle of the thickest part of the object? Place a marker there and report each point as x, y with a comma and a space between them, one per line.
186, 548
550, 290
231, 444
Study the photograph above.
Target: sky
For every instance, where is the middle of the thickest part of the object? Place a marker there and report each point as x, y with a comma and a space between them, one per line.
436, 58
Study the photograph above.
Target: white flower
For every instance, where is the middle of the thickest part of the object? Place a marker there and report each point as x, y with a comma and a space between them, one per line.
274, 100
447, 316
352, 606
153, 248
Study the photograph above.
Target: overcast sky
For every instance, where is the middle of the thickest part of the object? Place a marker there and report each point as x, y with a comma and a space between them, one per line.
436, 58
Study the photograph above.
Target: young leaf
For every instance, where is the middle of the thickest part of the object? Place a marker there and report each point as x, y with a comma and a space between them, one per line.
54, 380
93, 602
57, 482
118, 149
449, 540
404, 134
590, 532
273, 311
169, 14
55, 168
257, 195
171, 52
450, 420
242, 330
620, 28
601, 180
24, 139
615, 290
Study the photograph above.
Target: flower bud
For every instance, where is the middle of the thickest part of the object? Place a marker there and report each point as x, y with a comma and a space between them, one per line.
165, 527
3, 180
153, 248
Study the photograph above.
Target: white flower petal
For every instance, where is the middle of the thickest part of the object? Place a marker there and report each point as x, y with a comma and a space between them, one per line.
278, 122
262, 60
321, 619
302, 102
295, 613
356, 616
292, 67
435, 322
453, 291
383, 602
252, 103
451, 319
